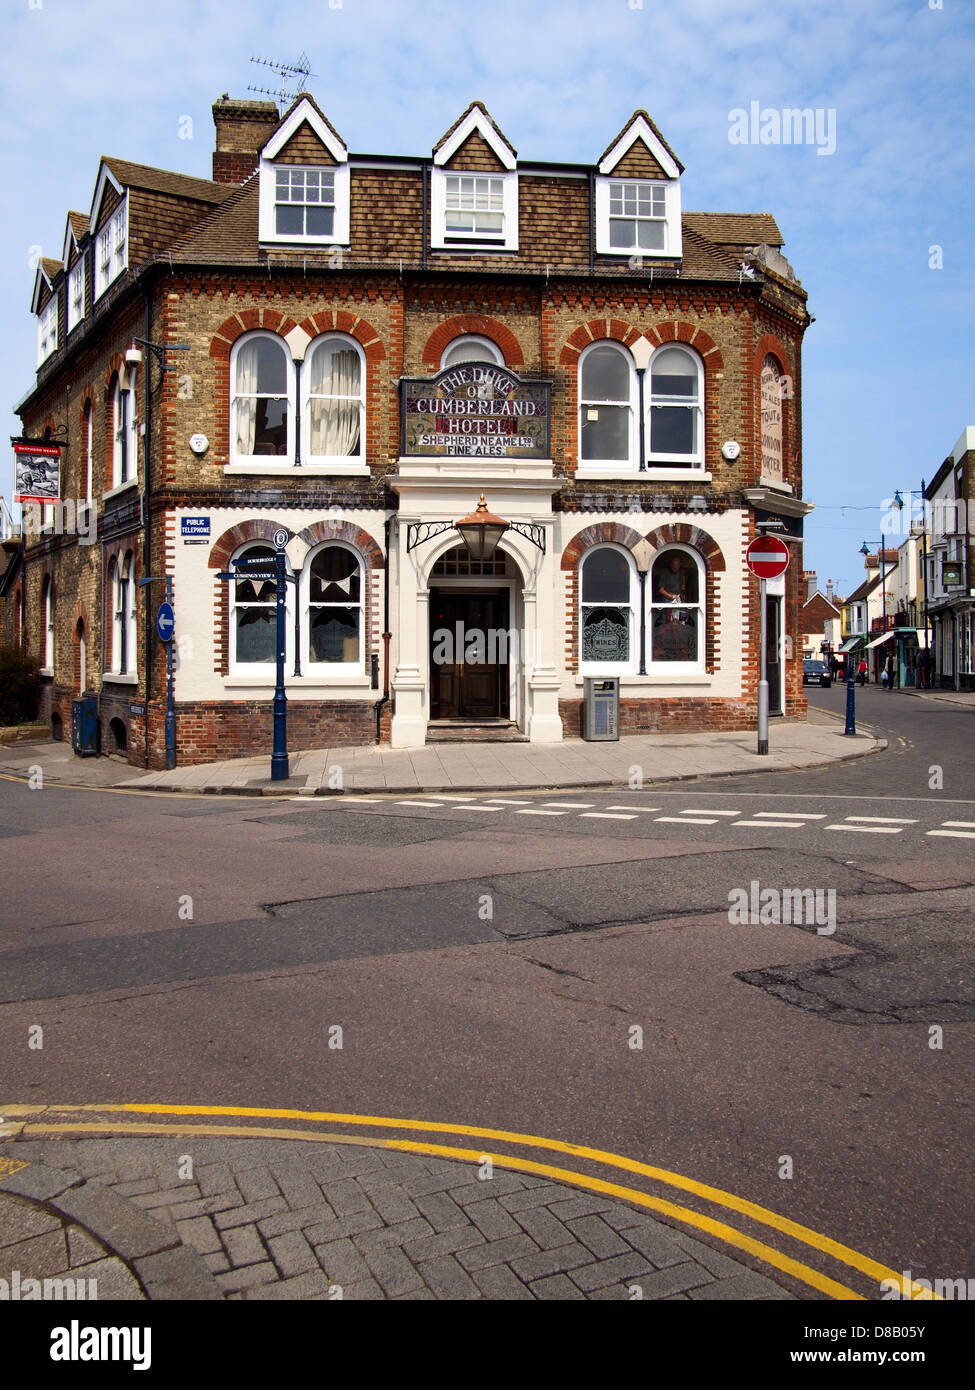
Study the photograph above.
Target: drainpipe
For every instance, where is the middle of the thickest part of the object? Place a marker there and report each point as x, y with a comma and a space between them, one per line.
592, 221
424, 219
384, 700
146, 495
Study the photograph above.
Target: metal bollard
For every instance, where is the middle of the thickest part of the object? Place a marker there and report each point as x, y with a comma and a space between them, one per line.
851, 718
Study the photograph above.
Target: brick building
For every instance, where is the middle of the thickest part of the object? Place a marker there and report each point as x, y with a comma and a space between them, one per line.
355, 348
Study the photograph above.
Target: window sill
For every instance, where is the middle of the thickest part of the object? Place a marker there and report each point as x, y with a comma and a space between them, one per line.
307, 470
120, 488
648, 682
315, 682
651, 475
115, 678
47, 671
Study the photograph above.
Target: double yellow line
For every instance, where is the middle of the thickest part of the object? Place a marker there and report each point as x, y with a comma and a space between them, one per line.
684, 1215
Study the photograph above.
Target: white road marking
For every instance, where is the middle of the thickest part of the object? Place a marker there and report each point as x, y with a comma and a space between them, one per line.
960, 824
707, 811
867, 829
603, 815
629, 807
572, 805
791, 815
771, 824
884, 820
480, 808
445, 796
687, 820
500, 801
955, 834
539, 813
428, 802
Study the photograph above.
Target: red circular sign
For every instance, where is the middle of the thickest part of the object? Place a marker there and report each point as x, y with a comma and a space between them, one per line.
767, 557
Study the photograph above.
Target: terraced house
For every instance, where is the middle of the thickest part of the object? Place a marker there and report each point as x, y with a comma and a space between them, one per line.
353, 349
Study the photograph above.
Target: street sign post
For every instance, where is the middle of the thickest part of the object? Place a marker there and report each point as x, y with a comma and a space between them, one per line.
165, 626
766, 557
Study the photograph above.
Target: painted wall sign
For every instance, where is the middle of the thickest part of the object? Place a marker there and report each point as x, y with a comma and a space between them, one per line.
771, 421
195, 530
37, 472
476, 410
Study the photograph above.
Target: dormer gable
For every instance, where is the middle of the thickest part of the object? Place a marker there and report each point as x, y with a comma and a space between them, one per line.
75, 230
474, 187
304, 180
476, 120
638, 206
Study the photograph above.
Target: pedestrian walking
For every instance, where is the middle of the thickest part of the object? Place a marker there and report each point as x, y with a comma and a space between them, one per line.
862, 671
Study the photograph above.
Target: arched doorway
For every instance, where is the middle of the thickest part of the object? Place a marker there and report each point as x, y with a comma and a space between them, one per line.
473, 641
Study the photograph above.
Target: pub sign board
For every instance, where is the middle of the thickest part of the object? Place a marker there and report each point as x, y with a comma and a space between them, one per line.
37, 472
476, 410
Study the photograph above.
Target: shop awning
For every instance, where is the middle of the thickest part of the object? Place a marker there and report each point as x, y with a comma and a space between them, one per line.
885, 637
849, 644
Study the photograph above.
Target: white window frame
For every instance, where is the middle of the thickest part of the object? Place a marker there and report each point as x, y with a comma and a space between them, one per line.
505, 240
322, 171
48, 620
482, 350
267, 213
76, 301
334, 463
611, 668
262, 671
47, 329
672, 248
691, 462
678, 668
326, 669
124, 598
111, 248
656, 189
263, 463
131, 433
610, 467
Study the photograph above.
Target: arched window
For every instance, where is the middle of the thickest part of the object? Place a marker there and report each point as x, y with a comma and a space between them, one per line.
606, 383
253, 616
125, 430
88, 447
471, 348
122, 590
47, 623
261, 411
676, 407
335, 380
677, 610
609, 632
335, 621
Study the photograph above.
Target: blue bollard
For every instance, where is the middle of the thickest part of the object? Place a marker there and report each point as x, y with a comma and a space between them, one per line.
851, 718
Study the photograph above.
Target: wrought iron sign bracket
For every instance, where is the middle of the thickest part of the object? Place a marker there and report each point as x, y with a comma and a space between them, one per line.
419, 532
531, 532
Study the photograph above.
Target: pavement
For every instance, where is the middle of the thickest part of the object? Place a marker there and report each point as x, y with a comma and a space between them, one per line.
572, 764
229, 1218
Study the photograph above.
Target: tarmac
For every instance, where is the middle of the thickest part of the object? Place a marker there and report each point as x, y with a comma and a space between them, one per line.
124, 1217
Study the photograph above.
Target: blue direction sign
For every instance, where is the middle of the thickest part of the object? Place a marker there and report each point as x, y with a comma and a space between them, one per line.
165, 622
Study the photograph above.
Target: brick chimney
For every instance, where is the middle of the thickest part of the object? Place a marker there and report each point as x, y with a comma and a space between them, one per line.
243, 129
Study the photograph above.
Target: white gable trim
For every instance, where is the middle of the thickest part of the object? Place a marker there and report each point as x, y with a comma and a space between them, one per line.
105, 177
303, 112
69, 240
639, 130
476, 120
40, 275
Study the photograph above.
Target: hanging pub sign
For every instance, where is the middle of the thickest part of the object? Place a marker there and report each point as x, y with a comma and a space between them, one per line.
476, 410
37, 472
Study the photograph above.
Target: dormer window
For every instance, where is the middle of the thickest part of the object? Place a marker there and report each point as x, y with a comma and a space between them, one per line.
304, 203
474, 187
474, 206
110, 250
47, 330
76, 294
637, 215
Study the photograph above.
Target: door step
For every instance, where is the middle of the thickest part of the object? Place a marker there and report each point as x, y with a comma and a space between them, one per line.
474, 731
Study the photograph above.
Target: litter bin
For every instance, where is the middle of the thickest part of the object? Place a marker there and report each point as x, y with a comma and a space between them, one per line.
84, 728
601, 710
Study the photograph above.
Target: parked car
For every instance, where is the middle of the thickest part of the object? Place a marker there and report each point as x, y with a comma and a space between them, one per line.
816, 673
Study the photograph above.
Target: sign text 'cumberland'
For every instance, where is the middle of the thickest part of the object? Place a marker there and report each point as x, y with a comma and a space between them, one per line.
476, 410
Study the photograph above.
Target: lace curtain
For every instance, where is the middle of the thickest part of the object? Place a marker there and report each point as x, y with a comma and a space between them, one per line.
334, 391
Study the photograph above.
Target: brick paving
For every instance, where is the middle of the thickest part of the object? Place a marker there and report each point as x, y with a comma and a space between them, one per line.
256, 1219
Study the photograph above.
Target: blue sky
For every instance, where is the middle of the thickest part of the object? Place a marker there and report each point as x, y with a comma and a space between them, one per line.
888, 380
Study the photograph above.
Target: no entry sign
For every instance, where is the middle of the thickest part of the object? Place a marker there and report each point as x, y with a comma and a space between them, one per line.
767, 557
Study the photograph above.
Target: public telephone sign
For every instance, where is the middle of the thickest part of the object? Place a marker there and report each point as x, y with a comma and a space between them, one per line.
767, 557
